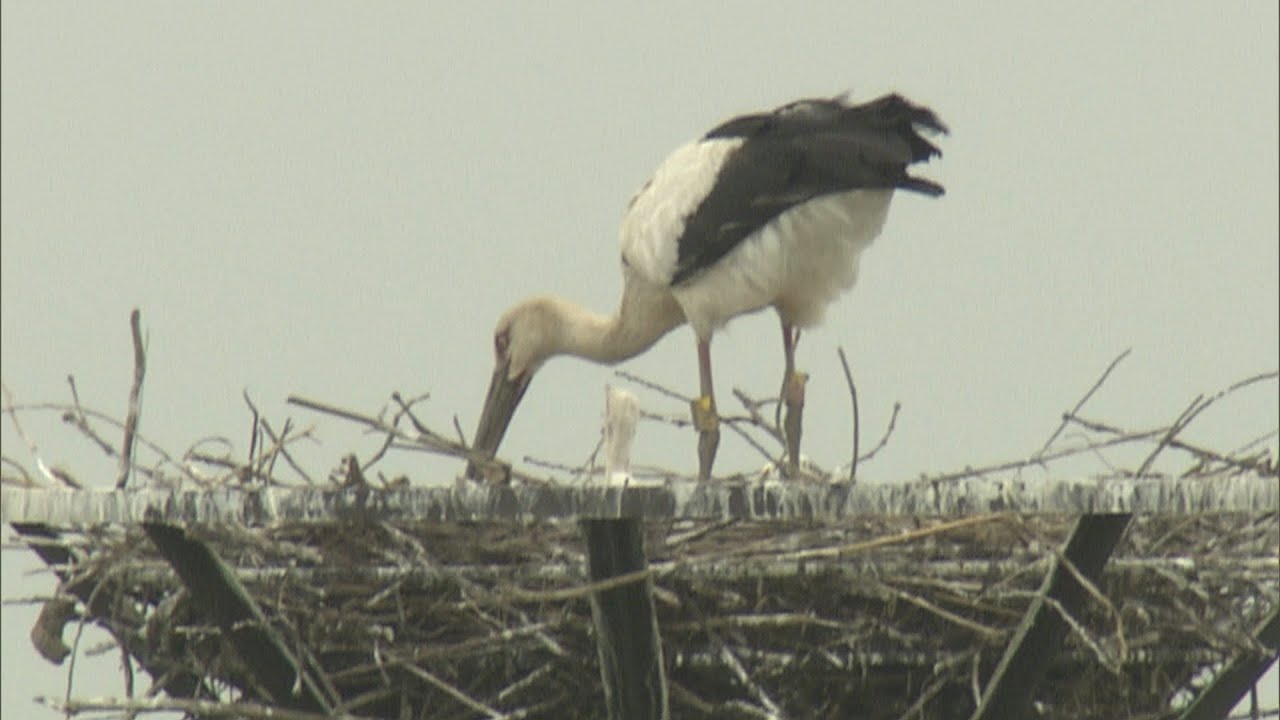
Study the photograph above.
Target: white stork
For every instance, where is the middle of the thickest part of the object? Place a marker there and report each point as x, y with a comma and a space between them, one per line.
765, 210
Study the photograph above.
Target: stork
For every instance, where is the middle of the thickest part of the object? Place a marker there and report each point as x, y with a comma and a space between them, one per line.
771, 209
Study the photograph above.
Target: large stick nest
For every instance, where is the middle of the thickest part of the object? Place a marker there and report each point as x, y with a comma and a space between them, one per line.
870, 617
867, 618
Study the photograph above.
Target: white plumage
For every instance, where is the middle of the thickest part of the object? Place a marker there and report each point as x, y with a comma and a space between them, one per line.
766, 210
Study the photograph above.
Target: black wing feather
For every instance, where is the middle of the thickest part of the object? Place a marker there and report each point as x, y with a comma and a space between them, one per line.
799, 152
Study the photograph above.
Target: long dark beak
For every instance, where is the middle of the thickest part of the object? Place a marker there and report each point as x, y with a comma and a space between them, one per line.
499, 406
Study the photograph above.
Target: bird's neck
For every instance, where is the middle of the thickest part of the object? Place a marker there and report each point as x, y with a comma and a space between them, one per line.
613, 338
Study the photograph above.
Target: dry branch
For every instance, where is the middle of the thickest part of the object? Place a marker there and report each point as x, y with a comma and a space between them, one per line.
135, 398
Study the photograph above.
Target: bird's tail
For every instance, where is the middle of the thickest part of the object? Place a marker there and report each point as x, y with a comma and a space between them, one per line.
895, 114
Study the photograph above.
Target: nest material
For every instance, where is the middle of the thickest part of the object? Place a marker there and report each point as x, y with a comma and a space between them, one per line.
871, 617
437, 620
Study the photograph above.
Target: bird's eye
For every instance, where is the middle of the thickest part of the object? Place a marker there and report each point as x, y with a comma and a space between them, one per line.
501, 341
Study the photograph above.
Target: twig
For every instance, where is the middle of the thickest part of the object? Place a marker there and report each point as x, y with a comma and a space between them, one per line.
67, 413
135, 399
1184, 419
336, 411
84, 618
1195, 408
252, 461
752, 406
975, 685
26, 481
450, 690
457, 428
126, 662
1245, 464
884, 439
579, 591
853, 400
572, 470
428, 440
1114, 665
977, 627
733, 422
1101, 599
194, 708
731, 660
524, 682
406, 409
31, 445
82, 422
891, 539
752, 419
280, 446
916, 708
1097, 384
652, 386
583, 471
1017, 464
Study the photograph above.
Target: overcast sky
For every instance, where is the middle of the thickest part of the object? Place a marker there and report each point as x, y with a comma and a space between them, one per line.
338, 201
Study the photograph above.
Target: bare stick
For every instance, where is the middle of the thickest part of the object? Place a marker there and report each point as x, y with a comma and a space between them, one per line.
252, 461
31, 445
1195, 408
733, 422
861, 546
280, 446
884, 439
1101, 599
1250, 464
731, 660
82, 422
26, 481
853, 399
67, 414
752, 406
195, 708
327, 409
135, 399
977, 627
457, 428
1097, 384
652, 386
406, 408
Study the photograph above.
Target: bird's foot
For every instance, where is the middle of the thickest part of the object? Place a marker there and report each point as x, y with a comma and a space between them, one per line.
707, 423
793, 399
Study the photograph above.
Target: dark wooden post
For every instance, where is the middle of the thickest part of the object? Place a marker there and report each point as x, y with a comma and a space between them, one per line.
217, 592
1036, 642
1242, 673
627, 641
175, 681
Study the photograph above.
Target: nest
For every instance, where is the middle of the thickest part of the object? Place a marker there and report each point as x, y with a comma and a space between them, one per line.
873, 618
869, 616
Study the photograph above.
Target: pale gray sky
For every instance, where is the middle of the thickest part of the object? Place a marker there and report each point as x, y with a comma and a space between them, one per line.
338, 200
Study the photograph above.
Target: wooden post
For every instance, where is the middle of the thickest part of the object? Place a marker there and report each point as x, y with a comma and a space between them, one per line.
627, 641
1038, 638
167, 676
215, 589
1234, 680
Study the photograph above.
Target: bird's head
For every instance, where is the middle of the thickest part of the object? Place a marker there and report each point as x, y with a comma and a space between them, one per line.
526, 335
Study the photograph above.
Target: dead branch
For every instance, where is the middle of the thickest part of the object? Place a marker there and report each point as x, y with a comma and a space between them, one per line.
853, 401
1083, 399
135, 398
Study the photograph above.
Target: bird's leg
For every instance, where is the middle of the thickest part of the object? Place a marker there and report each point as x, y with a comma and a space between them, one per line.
791, 395
705, 418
